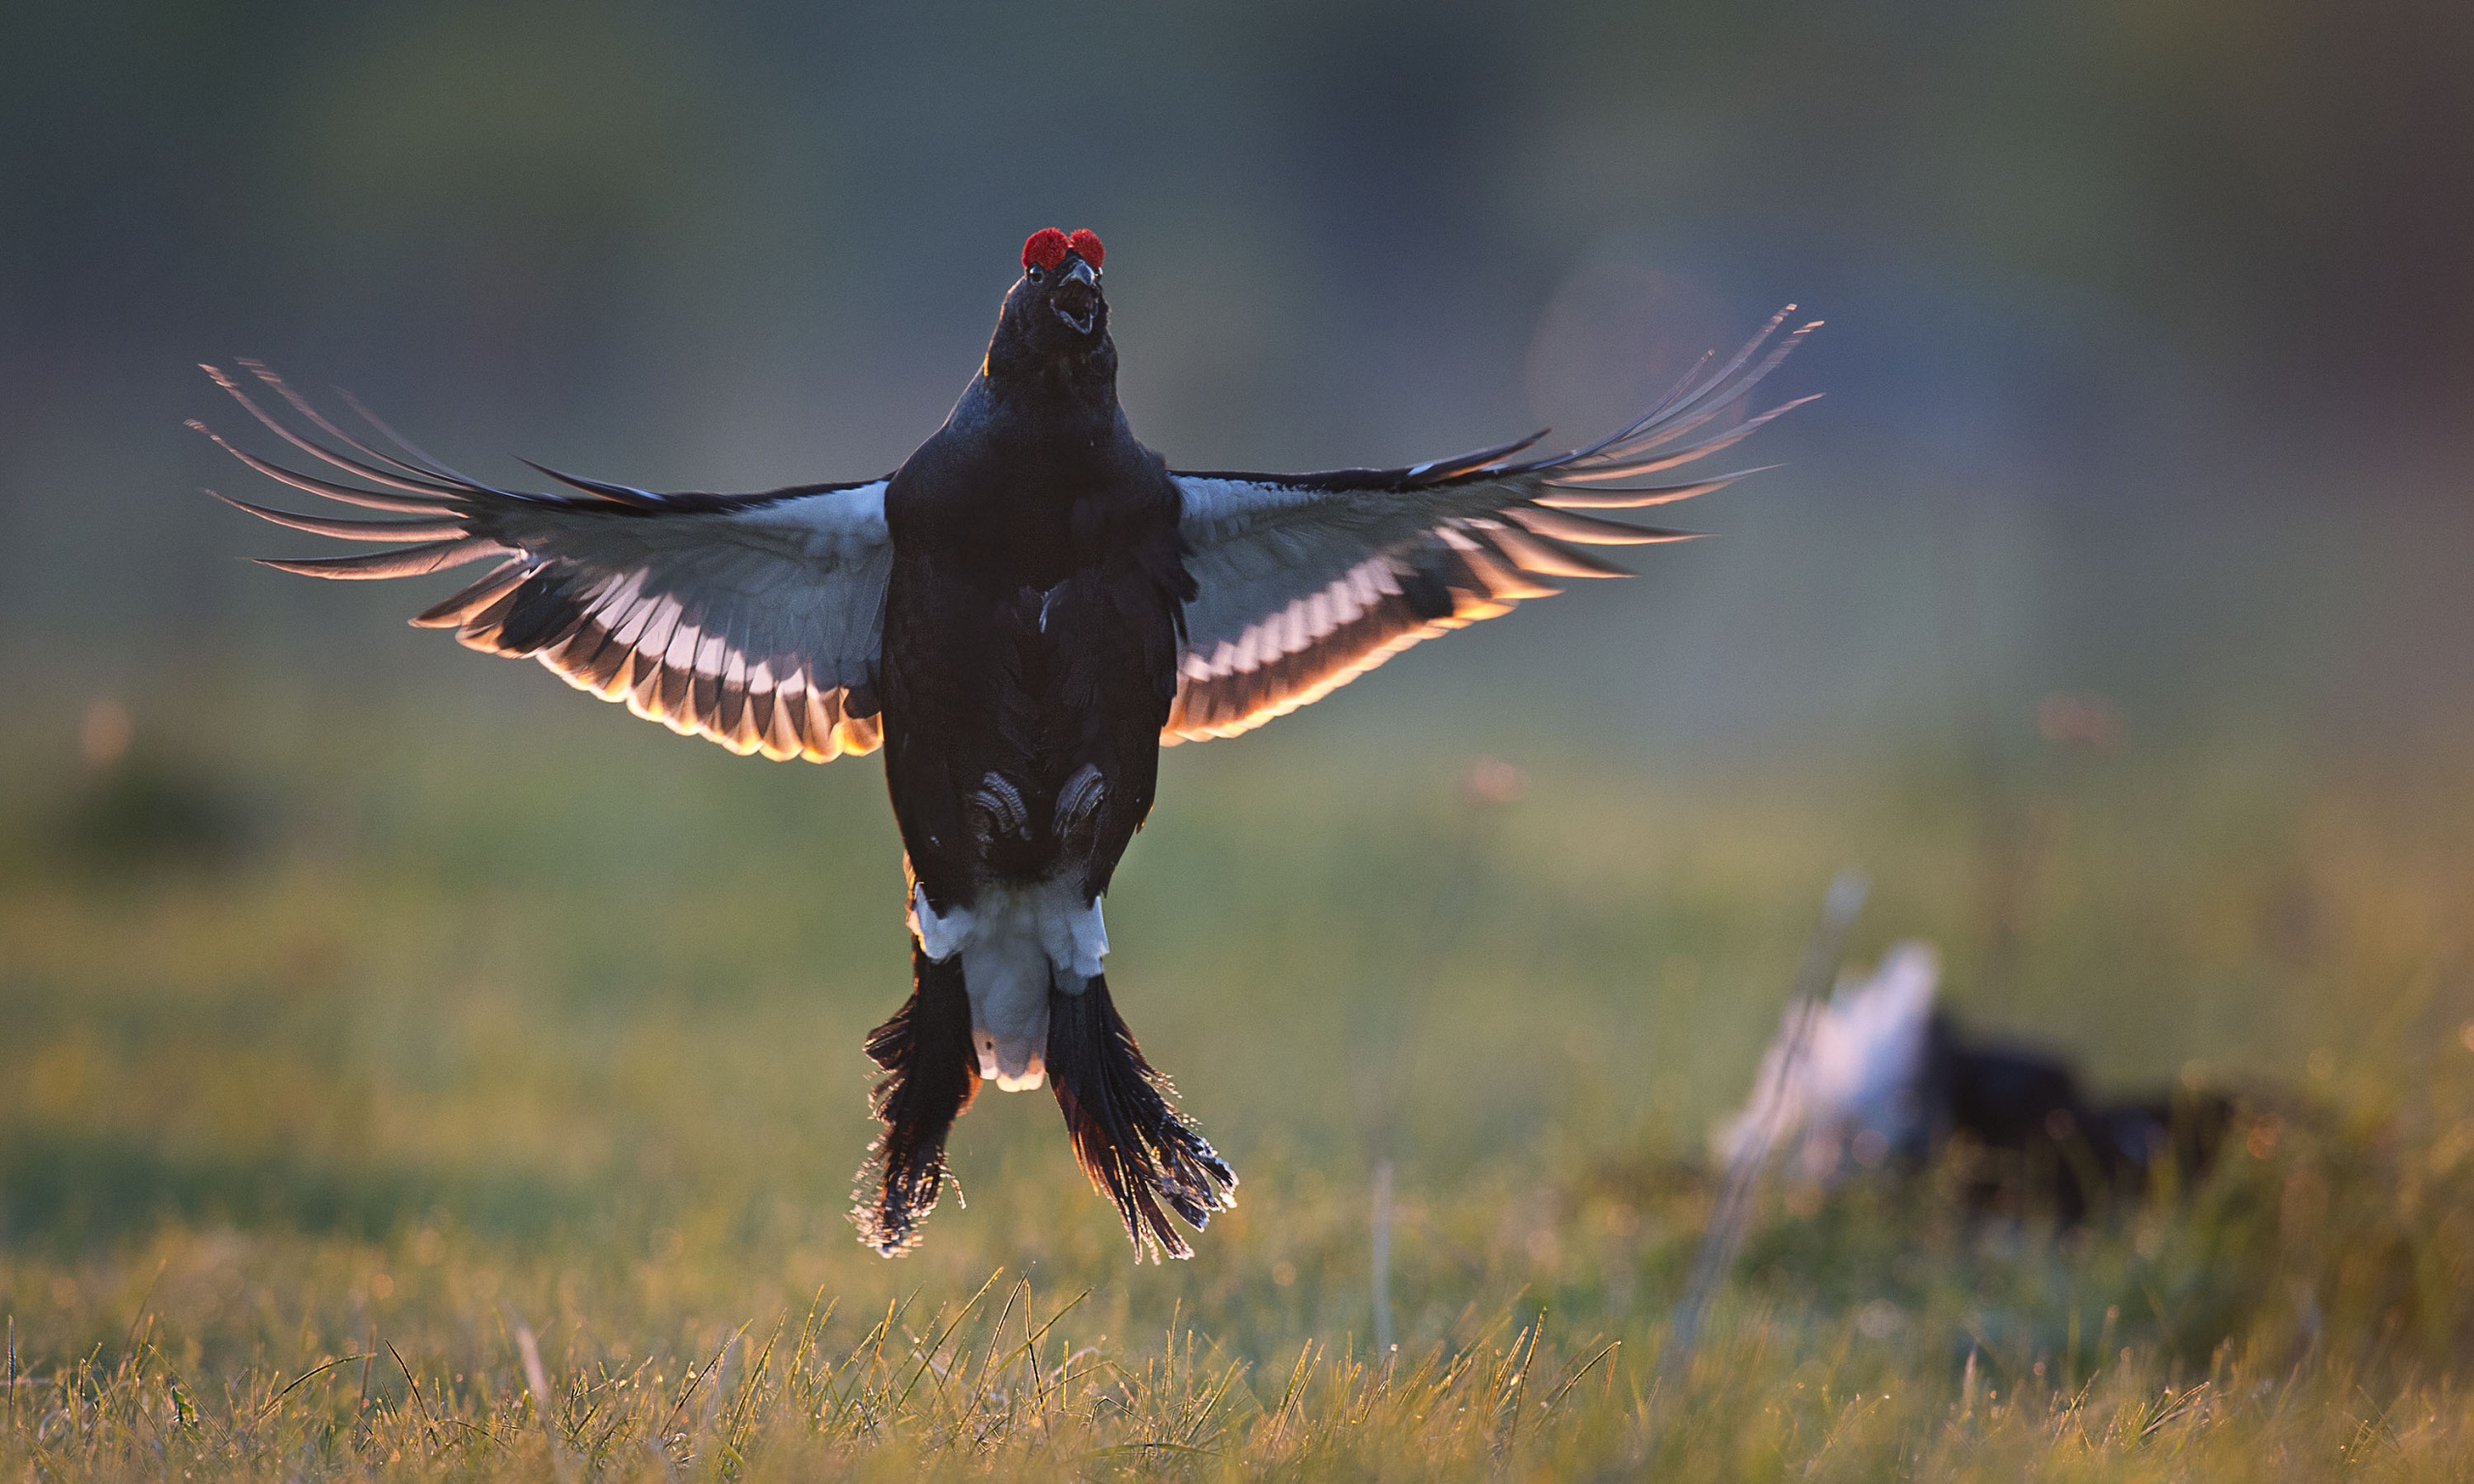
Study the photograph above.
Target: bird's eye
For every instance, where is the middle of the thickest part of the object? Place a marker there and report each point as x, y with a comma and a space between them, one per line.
1034, 272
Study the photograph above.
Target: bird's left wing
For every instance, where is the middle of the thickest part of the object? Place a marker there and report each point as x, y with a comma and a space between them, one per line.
751, 620
1306, 582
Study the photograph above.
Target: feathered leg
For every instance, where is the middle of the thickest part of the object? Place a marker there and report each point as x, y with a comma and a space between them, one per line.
1137, 1148
930, 1077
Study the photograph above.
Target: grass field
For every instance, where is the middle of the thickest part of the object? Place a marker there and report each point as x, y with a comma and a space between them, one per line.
477, 1096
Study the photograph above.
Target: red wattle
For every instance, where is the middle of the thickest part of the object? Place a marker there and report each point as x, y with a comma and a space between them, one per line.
1086, 241
1046, 248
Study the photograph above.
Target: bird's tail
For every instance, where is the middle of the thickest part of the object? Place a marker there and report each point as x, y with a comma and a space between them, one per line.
1139, 1151
930, 1077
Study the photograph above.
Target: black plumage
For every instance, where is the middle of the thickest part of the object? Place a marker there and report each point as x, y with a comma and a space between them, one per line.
930, 1077
2025, 1138
1022, 615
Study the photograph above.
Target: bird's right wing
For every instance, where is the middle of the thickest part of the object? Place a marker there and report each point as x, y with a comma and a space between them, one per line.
751, 620
1306, 582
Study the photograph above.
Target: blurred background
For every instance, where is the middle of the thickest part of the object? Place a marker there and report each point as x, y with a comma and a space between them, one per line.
2111, 608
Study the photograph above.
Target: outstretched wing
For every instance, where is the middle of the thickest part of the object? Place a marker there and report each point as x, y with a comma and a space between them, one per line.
752, 619
1307, 582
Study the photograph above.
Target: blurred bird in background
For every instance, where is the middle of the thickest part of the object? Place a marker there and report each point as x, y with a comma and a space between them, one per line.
1879, 1077
1022, 615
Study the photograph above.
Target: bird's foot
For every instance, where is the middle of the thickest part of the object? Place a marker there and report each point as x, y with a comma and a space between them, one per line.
995, 811
1078, 810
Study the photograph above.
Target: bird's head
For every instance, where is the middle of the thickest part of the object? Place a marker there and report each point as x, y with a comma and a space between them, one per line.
1055, 316
1061, 284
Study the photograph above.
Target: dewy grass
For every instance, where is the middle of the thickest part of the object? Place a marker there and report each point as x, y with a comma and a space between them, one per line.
489, 1109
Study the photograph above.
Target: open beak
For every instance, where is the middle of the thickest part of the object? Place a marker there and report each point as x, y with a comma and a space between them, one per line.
1075, 298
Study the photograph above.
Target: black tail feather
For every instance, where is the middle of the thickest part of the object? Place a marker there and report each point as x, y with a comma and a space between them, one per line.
930, 1077
1134, 1144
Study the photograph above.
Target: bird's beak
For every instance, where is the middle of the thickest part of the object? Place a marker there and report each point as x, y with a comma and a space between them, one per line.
1077, 298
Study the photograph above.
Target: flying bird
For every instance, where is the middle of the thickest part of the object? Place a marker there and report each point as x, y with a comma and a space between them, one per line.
1022, 615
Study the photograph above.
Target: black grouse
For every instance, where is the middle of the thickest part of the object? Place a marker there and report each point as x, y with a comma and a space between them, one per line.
1022, 615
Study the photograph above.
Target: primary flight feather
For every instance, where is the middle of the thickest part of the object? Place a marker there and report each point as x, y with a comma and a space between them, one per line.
1022, 615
